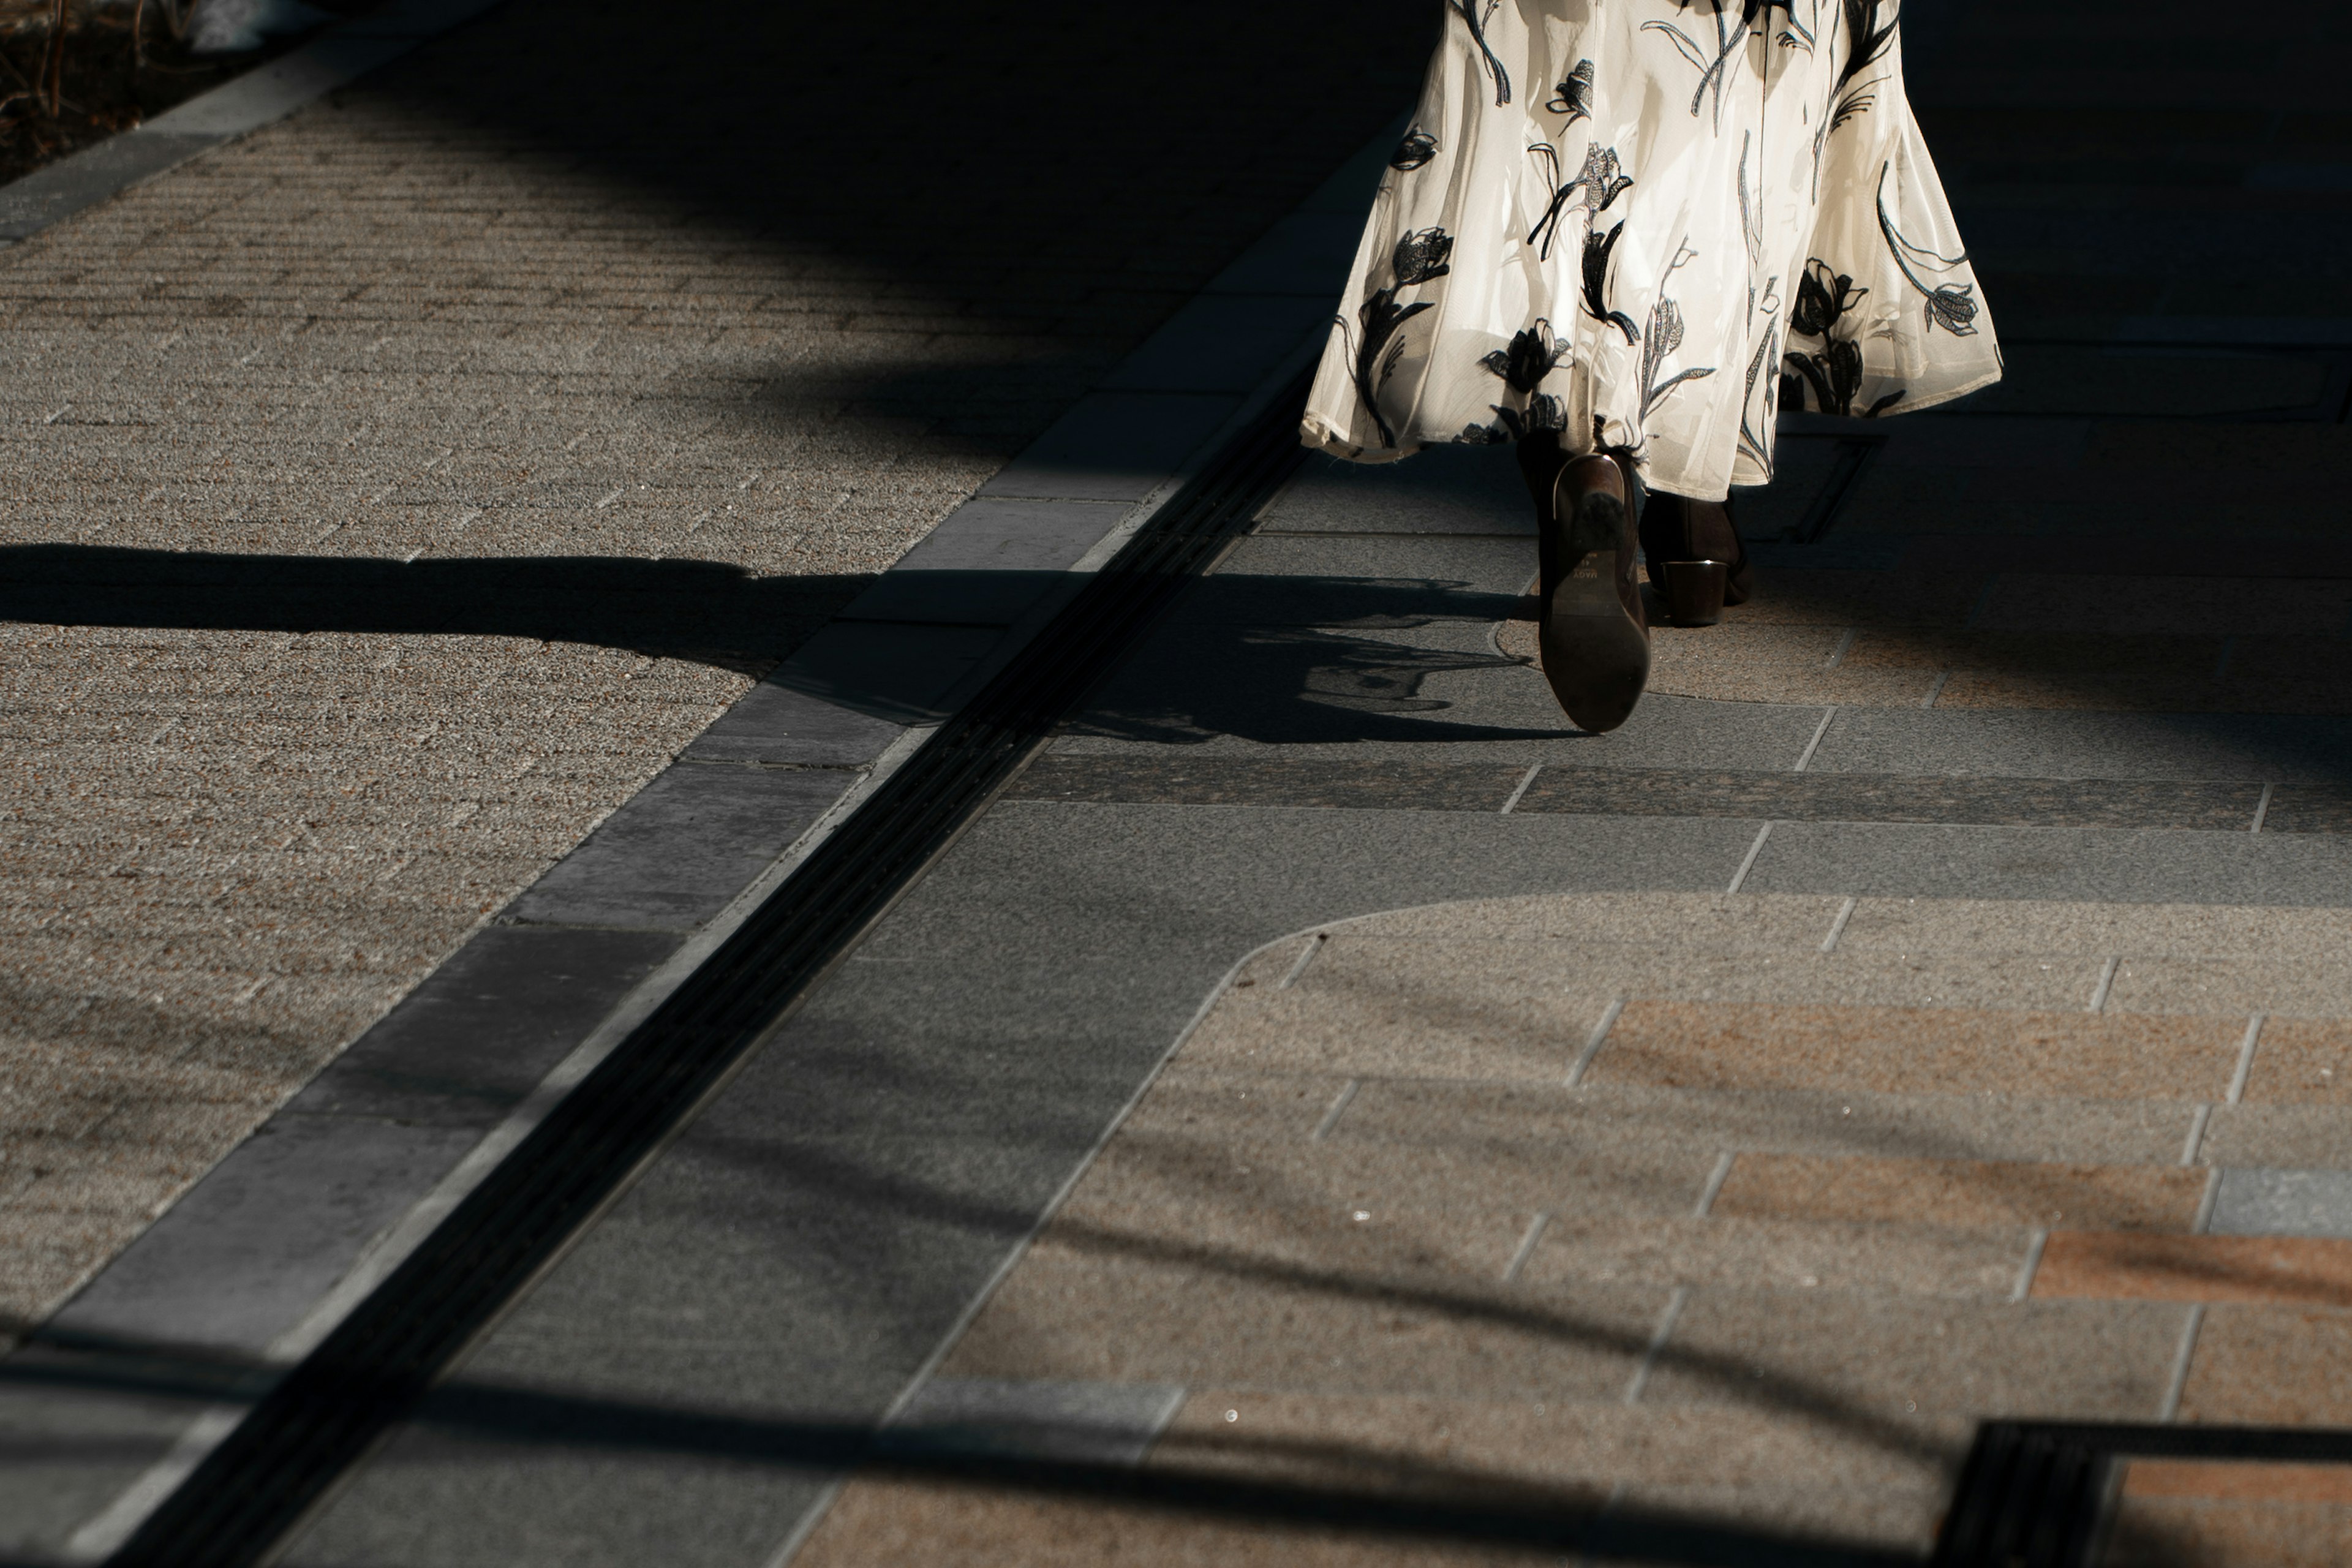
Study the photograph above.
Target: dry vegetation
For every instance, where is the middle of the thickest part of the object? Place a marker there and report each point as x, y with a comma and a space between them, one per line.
76, 72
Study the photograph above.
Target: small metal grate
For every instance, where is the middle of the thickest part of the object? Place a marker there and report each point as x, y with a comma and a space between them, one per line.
2041, 1494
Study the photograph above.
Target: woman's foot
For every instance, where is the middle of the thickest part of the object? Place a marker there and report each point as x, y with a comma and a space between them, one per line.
1594, 640
1693, 546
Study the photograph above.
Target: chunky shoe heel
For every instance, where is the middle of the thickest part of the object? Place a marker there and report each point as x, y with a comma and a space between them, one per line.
1595, 645
1695, 591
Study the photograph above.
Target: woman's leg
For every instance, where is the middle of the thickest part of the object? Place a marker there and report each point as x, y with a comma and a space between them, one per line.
1691, 544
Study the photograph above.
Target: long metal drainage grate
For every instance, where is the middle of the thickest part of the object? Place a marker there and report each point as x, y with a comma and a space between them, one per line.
324, 1416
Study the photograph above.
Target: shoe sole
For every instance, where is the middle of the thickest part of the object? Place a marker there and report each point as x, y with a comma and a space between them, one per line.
1595, 655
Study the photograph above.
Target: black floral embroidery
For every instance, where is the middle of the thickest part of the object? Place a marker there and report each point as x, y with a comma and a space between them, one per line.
1870, 38
1417, 148
1665, 336
1573, 97
1422, 256
1419, 257
1534, 354
1751, 423
1833, 371
1474, 15
1713, 60
1597, 246
1951, 305
1822, 297
1601, 181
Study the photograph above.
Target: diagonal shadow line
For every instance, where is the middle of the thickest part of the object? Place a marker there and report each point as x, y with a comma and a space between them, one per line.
1401, 1495
925, 1201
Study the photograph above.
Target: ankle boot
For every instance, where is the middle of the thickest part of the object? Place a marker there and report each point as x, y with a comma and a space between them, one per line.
1698, 563
1594, 639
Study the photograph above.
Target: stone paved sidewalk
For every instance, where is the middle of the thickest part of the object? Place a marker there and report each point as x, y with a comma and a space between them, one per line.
400, 488
2001, 1075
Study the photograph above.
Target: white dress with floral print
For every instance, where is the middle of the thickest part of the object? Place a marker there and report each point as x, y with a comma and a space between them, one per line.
1651, 224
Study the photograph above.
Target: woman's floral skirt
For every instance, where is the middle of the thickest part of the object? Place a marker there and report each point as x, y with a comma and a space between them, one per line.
1652, 224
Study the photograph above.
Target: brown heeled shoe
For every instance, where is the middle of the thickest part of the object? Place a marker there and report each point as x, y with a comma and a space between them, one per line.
1593, 636
1697, 561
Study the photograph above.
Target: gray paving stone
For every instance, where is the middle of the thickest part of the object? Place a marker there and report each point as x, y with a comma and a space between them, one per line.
682, 847
2283, 1203
32, 203
1115, 446
245, 1253
1073, 1423
1447, 490
2122, 866
990, 563
271, 91
2045, 744
465, 1047
776, 724
887, 671
1221, 342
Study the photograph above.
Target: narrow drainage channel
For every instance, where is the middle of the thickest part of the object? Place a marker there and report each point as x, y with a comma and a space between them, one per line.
263, 1478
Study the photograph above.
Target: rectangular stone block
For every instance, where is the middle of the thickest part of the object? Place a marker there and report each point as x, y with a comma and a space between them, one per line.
468, 1044
1810, 1255
1115, 446
1598, 1119
1917, 1051
2286, 1366
2258, 1270
1148, 1317
1962, 1191
1893, 1360
2262, 1202
681, 848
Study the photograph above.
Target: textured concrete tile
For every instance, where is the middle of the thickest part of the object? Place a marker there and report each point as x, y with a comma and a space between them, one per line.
2282, 1136
2259, 1366
1466, 492
2258, 1270
1604, 1117
1071, 1423
2227, 1533
2302, 1061
1217, 781
2283, 1203
1860, 797
878, 1522
1771, 1254
1892, 1360
1962, 1193
1383, 1240
2141, 930
1186, 1169
2251, 1480
2310, 986
1711, 922
1917, 1051
1229, 1320
1439, 1446
1209, 1104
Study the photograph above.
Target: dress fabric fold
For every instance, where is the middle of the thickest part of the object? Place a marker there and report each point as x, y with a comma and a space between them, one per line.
1653, 224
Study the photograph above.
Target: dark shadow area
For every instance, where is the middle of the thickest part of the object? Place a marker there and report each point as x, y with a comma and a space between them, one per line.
1027, 190
1317, 683
704, 610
